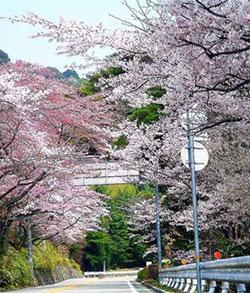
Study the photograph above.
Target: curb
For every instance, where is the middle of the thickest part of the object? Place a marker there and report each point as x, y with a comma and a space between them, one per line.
154, 288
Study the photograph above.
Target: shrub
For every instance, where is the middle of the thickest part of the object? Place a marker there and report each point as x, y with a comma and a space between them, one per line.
47, 258
16, 269
143, 274
148, 273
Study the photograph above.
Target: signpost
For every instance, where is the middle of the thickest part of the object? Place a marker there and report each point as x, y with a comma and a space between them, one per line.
200, 153
218, 255
194, 156
158, 224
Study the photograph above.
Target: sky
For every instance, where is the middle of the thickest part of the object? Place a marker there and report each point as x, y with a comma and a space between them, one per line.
15, 38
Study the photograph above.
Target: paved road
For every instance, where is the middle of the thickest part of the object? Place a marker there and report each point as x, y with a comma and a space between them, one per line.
93, 285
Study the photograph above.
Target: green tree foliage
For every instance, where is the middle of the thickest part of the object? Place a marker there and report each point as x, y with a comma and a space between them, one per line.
4, 58
75, 251
231, 248
113, 243
156, 91
99, 248
146, 114
120, 142
90, 86
112, 71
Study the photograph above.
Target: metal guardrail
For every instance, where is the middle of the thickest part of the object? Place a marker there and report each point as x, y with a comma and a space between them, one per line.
217, 273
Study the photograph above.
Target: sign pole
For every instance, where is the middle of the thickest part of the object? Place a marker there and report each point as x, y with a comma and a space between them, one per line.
194, 200
158, 224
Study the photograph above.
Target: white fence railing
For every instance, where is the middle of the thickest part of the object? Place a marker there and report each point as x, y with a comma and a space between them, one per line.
106, 173
110, 274
215, 274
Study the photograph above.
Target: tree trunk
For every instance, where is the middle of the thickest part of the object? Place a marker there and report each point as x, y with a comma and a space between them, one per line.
30, 250
4, 244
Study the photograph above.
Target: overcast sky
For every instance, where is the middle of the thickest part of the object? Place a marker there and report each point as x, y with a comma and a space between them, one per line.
14, 38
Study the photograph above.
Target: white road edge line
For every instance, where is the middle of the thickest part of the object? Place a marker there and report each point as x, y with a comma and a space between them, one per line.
131, 287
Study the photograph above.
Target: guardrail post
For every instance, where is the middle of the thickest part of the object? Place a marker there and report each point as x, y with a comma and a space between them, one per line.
225, 287
193, 289
163, 280
177, 283
212, 287
187, 285
172, 283
169, 282
203, 285
241, 288
182, 285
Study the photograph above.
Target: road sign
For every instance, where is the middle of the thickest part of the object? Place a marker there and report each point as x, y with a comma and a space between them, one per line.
200, 154
218, 255
194, 118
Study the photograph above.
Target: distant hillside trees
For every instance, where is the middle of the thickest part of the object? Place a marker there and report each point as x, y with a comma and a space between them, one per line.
113, 242
69, 73
4, 57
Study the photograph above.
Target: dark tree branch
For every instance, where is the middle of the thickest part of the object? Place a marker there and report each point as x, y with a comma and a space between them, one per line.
223, 90
55, 234
26, 191
137, 88
201, 128
211, 54
210, 10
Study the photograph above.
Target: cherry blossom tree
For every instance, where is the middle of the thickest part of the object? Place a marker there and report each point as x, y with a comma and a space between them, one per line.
197, 54
45, 128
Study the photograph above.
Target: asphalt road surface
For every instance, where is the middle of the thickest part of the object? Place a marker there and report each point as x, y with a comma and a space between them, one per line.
90, 285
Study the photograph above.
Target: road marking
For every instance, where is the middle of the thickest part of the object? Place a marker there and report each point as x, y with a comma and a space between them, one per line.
61, 289
131, 287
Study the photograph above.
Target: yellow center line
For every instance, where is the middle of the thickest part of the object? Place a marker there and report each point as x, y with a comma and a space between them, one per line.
61, 289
